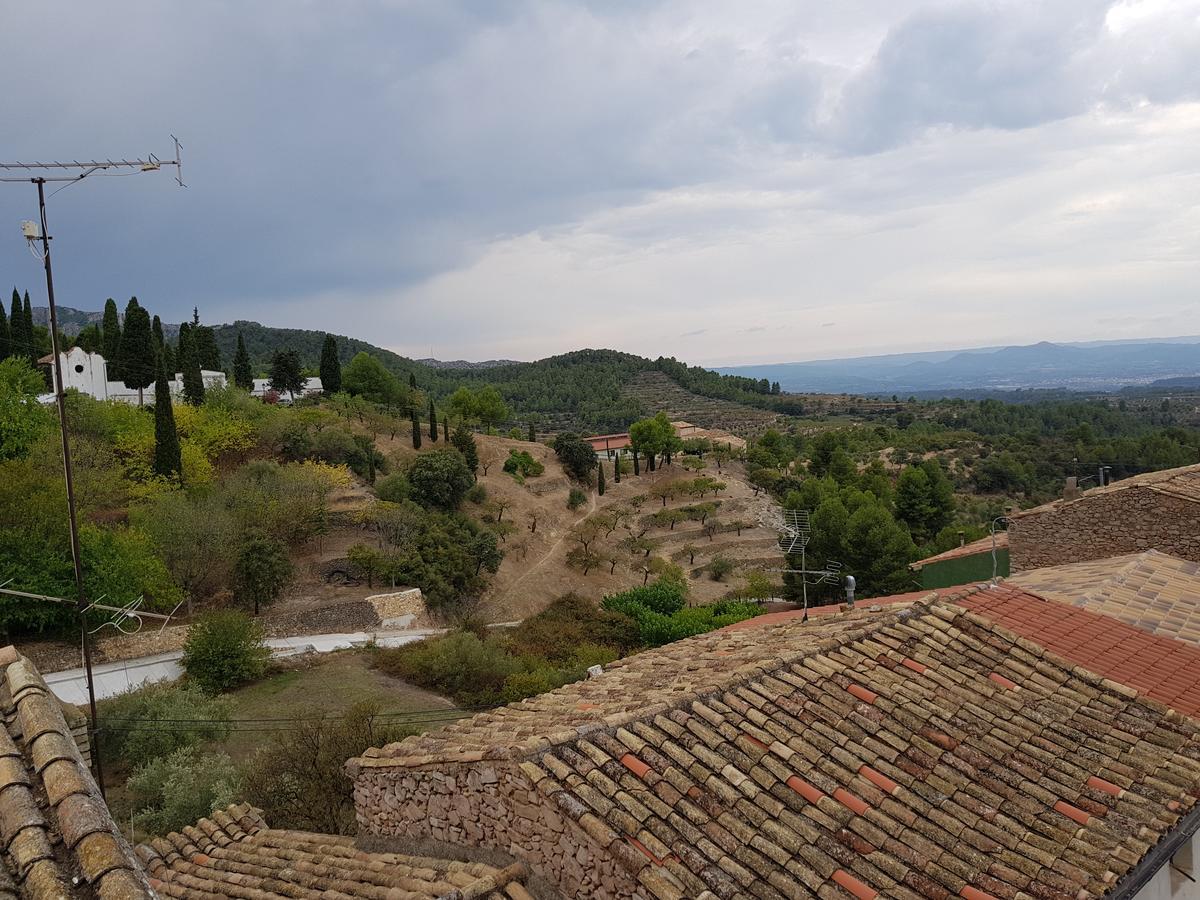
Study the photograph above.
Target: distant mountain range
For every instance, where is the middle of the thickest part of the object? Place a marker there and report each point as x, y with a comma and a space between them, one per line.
1091, 366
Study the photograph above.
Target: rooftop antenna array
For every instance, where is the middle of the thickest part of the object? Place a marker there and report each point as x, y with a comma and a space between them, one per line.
40, 174
795, 531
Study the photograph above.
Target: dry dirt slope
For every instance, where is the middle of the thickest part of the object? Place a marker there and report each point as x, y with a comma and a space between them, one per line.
535, 569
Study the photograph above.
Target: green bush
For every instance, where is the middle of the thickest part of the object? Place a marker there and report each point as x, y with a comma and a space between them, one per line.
477, 494
576, 498
520, 462
394, 488
459, 665
440, 479
663, 596
223, 650
188, 716
173, 791
571, 622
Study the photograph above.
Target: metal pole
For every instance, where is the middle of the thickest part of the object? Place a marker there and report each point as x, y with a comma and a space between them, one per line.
76, 558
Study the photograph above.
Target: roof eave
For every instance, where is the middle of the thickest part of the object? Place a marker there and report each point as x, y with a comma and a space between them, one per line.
1160, 854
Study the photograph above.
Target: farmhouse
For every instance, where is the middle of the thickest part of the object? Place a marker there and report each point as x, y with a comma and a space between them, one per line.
1155, 511
88, 374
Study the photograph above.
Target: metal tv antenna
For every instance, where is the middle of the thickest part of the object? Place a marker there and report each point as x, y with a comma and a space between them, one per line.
40, 174
795, 531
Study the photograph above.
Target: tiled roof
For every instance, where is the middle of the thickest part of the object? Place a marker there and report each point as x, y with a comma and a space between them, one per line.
918, 750
983, 545
1182, 482
235, 854
1163, 668
55, 830
629, 687
1151, 590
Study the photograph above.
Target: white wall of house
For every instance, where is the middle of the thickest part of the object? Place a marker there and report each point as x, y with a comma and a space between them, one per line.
88, 374
1176, 881
262, 386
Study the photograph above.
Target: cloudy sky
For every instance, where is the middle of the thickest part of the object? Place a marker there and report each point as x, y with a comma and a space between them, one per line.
723, 182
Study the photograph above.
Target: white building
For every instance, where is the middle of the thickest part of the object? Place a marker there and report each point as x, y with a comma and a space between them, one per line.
88, 374
262, 386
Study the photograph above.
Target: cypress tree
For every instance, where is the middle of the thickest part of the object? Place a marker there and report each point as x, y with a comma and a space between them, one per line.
331, 368
18, 343
189, 364
636, 468
110, 334
206, 348
532, 434
617, 468
446, 428
243, 375
416, 425
138, 358
600, 480
412, 381
167, 459
159, 341
28, 316
433, 435
4, 337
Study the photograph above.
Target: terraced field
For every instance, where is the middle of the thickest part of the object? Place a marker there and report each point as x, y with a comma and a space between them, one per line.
656, 391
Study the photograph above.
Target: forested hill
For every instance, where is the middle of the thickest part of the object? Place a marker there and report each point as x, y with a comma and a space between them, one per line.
585, 388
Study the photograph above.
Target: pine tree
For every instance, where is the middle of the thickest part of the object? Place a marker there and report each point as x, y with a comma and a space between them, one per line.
331, 368
4, 336
189, 364
600, 480
110, 334
138, 358
168, 461
243, 375
28, 328
416, 428
617, 468
433, 435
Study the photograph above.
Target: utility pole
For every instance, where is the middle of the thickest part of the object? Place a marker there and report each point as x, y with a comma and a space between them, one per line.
150, 164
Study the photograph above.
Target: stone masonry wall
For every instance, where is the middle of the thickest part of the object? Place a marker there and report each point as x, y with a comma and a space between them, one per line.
1127, 521
489, 804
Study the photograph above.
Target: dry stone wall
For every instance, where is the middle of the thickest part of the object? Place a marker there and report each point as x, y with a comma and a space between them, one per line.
488, 804
1097, 527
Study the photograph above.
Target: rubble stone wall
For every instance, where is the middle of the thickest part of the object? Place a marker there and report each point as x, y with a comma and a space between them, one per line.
1127, 521
488, 804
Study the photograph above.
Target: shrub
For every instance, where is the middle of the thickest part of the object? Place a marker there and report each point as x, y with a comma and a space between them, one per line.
393, 488
664, 596
298, 779
576, 498
173, 791
459, 665
223, 650
719, 567
440, 479
477, 494
566, 624
189, 716
521, 463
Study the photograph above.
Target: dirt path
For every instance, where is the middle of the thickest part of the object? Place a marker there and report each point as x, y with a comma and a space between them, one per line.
549, 552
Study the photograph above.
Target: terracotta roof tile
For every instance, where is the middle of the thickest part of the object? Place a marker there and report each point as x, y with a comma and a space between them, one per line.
234, 853
948, 784
59, 836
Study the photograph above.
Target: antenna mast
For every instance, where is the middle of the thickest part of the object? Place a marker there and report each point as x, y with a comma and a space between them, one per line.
41, 173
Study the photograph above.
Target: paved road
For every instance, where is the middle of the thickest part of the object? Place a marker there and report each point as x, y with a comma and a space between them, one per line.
115, 678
